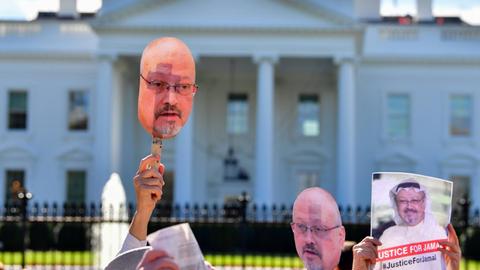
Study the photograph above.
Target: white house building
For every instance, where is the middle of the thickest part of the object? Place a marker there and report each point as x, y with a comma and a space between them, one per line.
292, 94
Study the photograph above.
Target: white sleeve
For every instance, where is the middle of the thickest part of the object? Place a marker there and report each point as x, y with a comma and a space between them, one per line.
131, 242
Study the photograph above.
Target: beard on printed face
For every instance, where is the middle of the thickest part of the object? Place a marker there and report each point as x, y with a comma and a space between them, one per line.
168, 120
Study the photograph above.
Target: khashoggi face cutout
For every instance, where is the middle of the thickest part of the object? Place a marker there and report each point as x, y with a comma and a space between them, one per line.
165, 101
166, 90
167, 87
317, 229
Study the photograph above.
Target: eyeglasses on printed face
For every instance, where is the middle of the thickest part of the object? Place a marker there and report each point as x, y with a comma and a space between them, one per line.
415, 202
162, 87
315, 230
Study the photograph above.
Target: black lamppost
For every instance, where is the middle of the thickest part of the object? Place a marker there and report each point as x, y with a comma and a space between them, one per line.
24, 196
243, 199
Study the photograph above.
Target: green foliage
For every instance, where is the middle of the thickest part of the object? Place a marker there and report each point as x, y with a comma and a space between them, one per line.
41, 236
11, 236
73, 237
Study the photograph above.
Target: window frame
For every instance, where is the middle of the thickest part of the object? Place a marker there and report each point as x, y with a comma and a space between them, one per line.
461, 164
385, 136
85, 179
298, 130
247, 114
5, 179
28, 111
448, 139
88, 111
450, 112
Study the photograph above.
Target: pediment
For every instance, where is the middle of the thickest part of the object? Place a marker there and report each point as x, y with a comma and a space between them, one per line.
307, 157
74, 153
16, 152
460, 160
218, 14
397, 158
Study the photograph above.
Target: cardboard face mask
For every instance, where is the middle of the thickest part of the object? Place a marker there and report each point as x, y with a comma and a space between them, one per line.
164, 102
166, 90
167, 86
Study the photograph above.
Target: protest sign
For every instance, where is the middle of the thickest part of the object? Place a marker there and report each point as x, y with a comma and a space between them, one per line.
410, 214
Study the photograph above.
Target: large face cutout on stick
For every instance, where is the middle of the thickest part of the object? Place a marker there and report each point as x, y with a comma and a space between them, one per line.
167, 87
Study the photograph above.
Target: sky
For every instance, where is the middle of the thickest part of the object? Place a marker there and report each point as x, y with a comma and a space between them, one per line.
468, 10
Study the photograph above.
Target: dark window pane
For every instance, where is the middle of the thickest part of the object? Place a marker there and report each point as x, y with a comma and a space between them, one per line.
17, 110
76, 186
14, 184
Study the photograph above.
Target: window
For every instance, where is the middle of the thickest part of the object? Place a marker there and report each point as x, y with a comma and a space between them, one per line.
78, 110
398, 116
460, 115
17, 110
237, 114
14, 184
309, 115
461, 187
76, 186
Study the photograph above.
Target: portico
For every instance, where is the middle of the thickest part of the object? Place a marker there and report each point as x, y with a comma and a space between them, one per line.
263, 55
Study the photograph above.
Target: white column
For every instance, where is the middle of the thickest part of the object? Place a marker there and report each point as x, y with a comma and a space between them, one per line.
475, 192
119, 118
424, 10
102, 129
346, 133
183, 184
264, 185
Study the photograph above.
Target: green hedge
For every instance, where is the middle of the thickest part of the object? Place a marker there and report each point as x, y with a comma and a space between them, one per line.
11, 237
46, 236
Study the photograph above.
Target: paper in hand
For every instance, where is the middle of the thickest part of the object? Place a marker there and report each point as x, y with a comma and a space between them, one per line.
180, 243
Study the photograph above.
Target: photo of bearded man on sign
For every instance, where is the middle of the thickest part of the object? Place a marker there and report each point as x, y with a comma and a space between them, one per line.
409, 224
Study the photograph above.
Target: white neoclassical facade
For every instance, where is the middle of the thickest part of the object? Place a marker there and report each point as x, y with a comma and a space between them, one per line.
292, 94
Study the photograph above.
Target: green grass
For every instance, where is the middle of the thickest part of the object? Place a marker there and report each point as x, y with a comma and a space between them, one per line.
472, 265
285, 261
49, 258
254, 260
88, 258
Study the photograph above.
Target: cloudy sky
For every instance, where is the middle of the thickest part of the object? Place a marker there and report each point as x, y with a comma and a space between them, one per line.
468, 10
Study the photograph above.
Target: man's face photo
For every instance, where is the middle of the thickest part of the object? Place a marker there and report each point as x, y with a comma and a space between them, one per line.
167, 86
318, 233
411, 206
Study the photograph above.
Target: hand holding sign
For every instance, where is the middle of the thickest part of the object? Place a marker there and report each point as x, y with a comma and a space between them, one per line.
409, 215
365, 253
451, 249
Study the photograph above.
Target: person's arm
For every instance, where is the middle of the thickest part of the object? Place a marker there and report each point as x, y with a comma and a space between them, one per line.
131, 242
148, 190
451, 249
365, 253
148, 184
